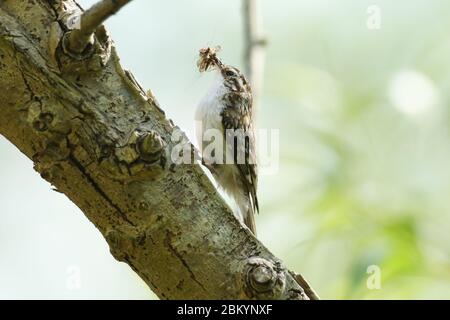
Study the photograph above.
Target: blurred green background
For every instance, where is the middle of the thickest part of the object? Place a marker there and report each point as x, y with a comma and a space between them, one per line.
364, 169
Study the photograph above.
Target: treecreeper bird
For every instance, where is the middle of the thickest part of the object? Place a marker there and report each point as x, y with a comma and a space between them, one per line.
224, 119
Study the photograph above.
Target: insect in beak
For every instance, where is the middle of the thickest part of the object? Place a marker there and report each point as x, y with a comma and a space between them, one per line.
208, 58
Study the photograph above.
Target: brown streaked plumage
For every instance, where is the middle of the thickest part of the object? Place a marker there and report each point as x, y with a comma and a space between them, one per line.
228, 108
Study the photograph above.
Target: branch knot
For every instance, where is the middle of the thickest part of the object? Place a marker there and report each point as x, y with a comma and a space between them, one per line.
264, 279
88, 48
150, 146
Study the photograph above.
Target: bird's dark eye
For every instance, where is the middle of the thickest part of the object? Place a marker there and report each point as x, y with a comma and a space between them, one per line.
229, 73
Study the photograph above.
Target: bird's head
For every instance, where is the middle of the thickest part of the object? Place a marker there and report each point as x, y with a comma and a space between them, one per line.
234, 80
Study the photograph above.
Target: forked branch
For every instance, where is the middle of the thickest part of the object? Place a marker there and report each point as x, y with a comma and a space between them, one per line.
82, 36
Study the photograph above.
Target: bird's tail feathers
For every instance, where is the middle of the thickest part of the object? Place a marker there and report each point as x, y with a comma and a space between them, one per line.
248, 215
249, 220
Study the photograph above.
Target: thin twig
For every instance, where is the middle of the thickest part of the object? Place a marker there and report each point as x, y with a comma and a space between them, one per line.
90, 20
255, 43
312, 295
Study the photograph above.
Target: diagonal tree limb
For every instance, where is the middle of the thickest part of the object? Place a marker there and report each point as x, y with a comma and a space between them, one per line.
93, 133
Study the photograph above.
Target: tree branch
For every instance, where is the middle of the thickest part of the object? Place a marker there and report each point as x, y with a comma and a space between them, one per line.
93, 133
255, 43
82, 36
312, 295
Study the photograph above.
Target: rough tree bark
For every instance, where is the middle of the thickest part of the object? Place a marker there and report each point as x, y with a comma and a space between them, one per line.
99, 138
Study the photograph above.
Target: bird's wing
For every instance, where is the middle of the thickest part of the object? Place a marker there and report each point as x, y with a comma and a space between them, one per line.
237, 122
